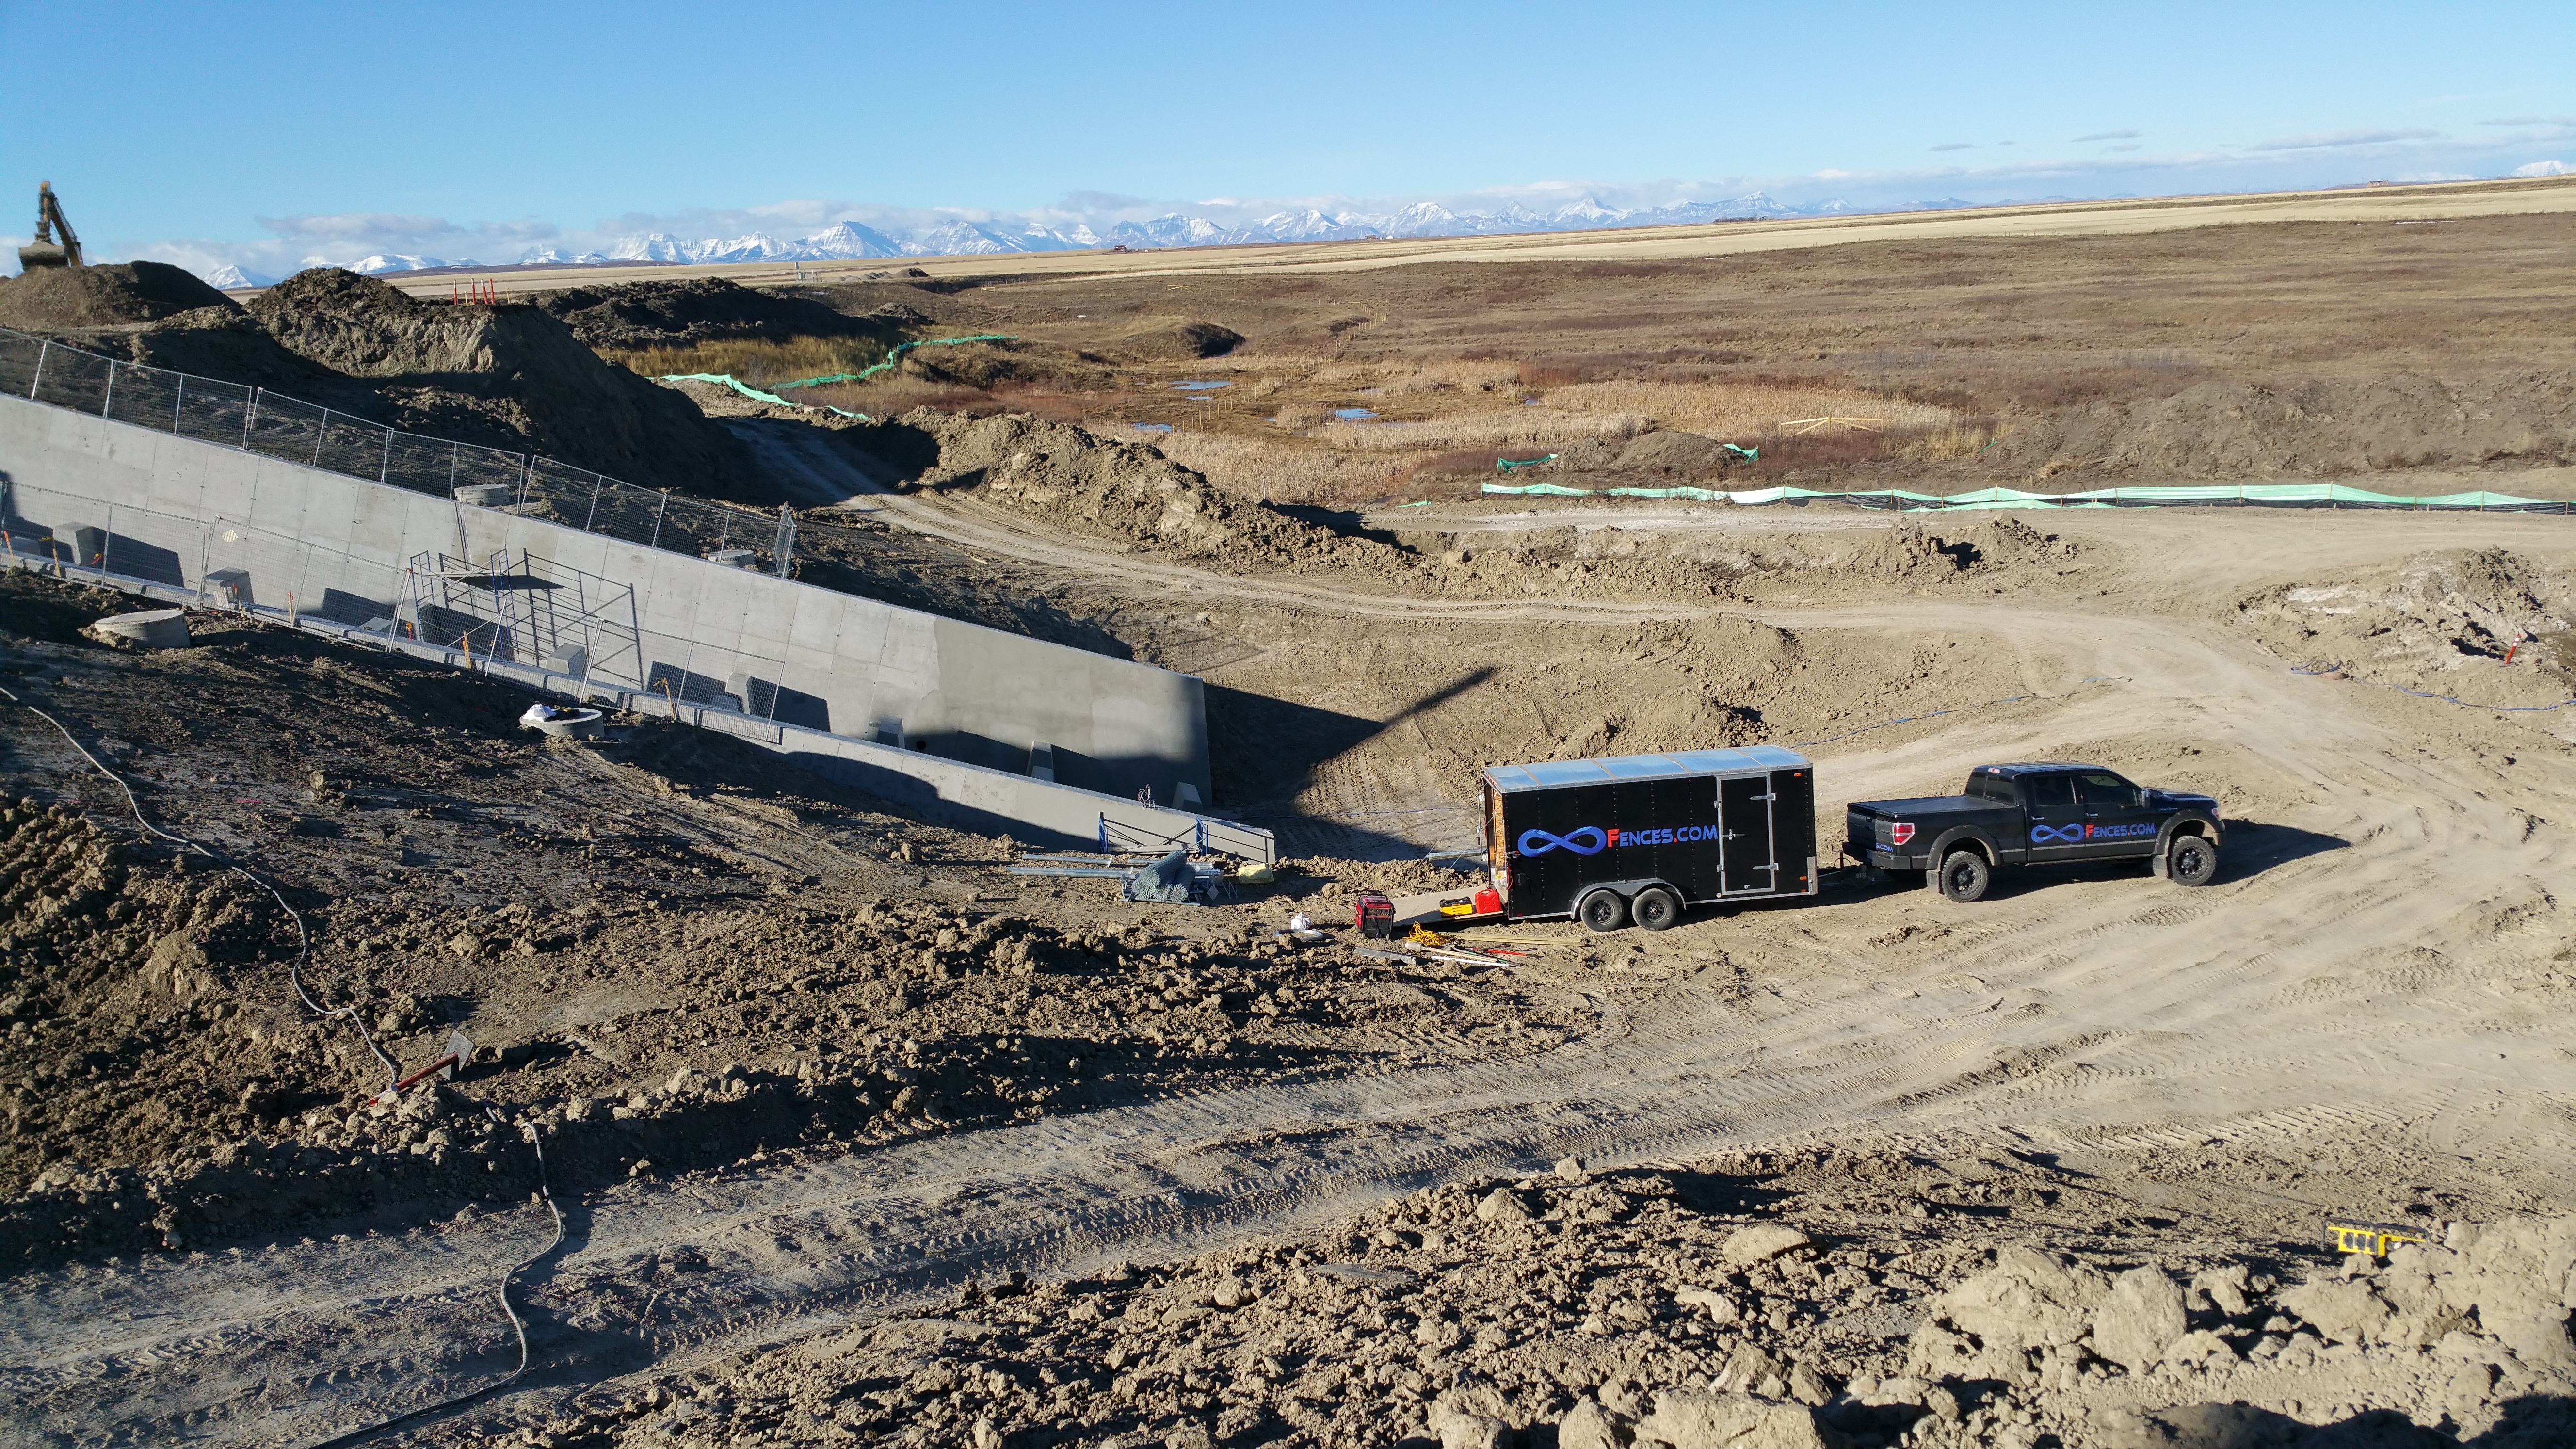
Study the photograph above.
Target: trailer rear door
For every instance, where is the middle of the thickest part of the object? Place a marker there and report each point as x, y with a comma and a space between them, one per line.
1744, 825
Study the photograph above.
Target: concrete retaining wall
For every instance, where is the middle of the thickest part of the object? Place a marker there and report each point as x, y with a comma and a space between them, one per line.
708, 634
936, 714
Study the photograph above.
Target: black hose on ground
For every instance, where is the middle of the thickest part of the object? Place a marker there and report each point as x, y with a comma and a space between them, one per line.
295, 974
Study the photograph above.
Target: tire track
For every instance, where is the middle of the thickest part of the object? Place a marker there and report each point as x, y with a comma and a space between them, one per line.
2162, 1006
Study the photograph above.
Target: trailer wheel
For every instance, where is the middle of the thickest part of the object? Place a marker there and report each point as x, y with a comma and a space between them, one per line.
1964, 876
1602, 911
1656, 909
2193, 861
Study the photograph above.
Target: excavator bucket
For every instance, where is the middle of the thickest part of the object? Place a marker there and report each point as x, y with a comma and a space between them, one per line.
44, 251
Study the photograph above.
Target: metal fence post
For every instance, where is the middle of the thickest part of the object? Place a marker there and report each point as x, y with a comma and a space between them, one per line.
38, 380
385, 461
597, 482
657, 521
454, 450
250, 418
319, 434
107, 398
178, 402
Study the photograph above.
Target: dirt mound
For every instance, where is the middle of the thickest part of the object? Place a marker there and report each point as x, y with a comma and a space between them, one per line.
509, 376
1183, 341
1981, 553
232, 346
105, 296
633, 316
2442, 623
986, 365
1682, 457
1128, 491
2236, 431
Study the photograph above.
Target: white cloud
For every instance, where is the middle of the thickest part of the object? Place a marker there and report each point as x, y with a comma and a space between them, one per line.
2324, 158
2326, 140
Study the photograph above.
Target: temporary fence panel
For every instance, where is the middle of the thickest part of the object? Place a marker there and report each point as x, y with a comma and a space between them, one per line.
292, 430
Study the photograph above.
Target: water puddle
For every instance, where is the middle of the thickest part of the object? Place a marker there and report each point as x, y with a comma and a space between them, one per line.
1151, 427
1199, 386
1353, 415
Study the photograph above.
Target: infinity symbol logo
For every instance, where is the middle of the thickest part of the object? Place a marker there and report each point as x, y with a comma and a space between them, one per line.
1539, 842
2043, 834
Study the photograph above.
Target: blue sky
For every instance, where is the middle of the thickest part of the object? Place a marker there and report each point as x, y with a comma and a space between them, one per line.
203, 131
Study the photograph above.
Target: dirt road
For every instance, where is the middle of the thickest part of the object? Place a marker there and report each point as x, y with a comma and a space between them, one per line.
2375, 991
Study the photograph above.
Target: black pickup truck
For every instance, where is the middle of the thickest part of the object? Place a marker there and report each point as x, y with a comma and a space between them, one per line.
2043, 814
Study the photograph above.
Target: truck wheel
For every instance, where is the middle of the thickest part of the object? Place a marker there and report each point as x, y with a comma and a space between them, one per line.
1656, 909
2193, 861
1964, 876
1602, 911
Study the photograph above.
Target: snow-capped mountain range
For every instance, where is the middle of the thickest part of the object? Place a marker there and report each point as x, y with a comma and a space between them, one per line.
856, 241
851, 241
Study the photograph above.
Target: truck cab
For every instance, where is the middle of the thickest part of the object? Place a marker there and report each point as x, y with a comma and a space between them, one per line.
2048, 813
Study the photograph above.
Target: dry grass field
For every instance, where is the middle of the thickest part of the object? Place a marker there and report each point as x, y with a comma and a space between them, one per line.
2371, 350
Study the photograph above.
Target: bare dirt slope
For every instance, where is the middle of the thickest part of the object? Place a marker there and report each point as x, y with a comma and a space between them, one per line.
2368, 999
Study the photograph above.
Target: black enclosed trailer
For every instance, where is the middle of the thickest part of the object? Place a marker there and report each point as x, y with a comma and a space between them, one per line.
1643, 836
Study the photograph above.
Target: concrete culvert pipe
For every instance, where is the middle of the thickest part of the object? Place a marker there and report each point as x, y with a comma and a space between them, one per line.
149, 629
578, 724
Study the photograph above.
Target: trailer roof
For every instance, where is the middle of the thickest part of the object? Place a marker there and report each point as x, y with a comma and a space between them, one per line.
1553, 774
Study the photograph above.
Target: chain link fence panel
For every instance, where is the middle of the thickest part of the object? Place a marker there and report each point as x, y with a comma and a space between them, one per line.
208, 410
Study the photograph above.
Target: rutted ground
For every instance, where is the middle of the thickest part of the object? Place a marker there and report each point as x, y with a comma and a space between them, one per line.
2385, 925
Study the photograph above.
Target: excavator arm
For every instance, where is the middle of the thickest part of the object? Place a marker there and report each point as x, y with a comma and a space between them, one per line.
45, 251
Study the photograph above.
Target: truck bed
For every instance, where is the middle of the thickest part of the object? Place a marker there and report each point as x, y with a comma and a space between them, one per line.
1929, 805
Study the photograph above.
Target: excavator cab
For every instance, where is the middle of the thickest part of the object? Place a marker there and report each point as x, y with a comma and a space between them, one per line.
44, 251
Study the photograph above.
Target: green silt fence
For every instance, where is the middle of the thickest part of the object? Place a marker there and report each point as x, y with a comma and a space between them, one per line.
727, 379
2263, 495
